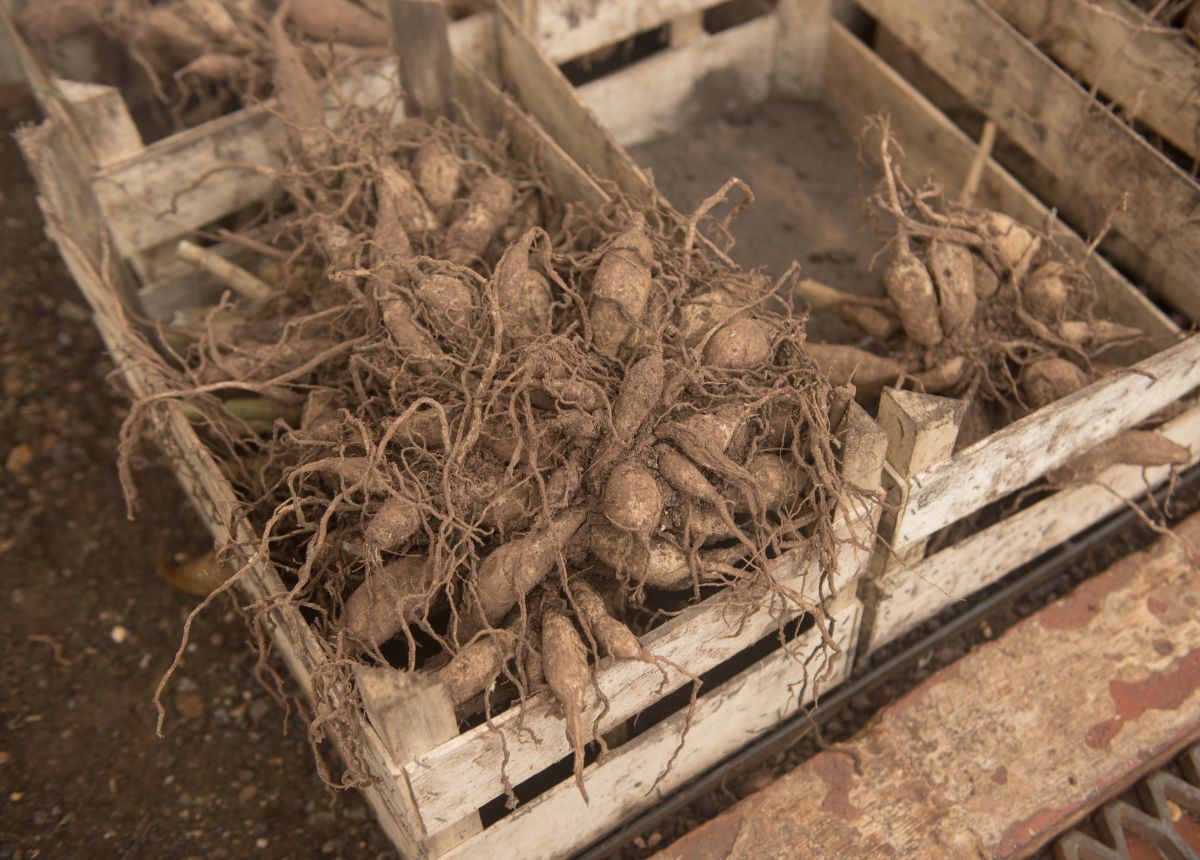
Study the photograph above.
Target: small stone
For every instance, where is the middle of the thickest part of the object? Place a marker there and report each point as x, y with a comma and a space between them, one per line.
190, 705
19, 458
329, 846
16, 796
321, 820
259, 708
3, 757
119, 634
261, 843
654, 839
73, 311
247, 794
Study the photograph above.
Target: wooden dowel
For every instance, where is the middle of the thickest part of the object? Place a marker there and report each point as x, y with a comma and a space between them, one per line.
231, 275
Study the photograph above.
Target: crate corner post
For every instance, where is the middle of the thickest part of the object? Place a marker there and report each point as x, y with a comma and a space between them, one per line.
921, 431
412, 715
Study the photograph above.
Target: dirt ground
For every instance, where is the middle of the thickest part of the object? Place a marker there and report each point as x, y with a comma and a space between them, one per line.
803, 168
89, 627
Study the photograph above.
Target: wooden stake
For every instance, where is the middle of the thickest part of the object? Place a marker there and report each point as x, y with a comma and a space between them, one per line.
921, 430
413, 714
421, 40
971, 184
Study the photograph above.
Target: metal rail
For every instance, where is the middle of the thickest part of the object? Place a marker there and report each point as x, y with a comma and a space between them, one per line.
1048, 568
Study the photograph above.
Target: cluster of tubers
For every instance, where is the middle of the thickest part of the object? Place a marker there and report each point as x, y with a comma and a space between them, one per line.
486, 433
978, 306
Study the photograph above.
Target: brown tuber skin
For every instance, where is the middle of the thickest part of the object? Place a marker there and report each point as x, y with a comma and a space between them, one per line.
742, 344
1012, 240
706, 313
910, 288
512, 570
399, 190
987, 282
473, 669
617, 640
487, 208
844, 364
954, 275
1046, 292
449, 305
339, 21
394, 522
411, 338
564, 660
387, 601
632, 501
621, 290
438, 173
523, 298
1049, 379
640, 392
659, 564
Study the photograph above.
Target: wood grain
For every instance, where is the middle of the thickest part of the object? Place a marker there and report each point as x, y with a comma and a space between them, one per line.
1148, 68
918, 592
1028, 448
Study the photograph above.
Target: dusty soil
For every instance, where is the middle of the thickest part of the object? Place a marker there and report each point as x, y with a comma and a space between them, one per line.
89, 627
804, 171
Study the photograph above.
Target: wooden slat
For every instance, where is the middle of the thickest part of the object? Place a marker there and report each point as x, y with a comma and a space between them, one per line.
412, 713
1027, 449
732, 715
658, 94
1010, 745
570, 29
1094, 157
801, 51
1149, 69
465, 773
928, 587
860, 85
102, 112
420, 39
547, 96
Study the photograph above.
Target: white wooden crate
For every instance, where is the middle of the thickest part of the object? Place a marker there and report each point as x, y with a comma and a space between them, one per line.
112, 204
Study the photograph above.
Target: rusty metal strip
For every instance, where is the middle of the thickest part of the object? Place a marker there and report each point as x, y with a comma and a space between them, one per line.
1165, 799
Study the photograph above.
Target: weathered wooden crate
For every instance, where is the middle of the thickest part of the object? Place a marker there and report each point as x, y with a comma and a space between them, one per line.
798, 50
112, 204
